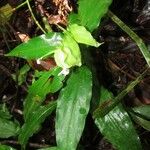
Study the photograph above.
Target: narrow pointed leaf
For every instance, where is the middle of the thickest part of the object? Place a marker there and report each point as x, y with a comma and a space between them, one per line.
141, 116
142, 122
117, 127
34, 122
41, 46
72, 108
81, 35
91, 11
48, 82
143, 110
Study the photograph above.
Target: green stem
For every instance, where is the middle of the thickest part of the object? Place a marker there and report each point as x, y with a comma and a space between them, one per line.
19, 6
47, 25
60, 27
37, 23
133, 35
107, 106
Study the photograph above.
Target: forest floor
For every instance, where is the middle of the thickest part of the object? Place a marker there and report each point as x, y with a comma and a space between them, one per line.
118, 62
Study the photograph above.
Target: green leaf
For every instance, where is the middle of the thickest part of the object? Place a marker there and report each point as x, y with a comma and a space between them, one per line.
117, 127
34, 122
4, 113
38, 47
56, 82
141, 116
5, 147
90, 12
81, 35
48, 82
21, 74
69, 54
5, 14
73, 19
8, 128
72, 108
143, 110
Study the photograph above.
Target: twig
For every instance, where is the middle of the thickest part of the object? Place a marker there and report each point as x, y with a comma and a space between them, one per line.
37, 23
19, 6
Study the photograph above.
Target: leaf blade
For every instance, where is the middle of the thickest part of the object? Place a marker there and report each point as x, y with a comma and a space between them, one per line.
8, 128
6, 147
41, 46
72, 108
69, 54
117, 127
141, 116
99, 9
81, 35
40, 88
34, 122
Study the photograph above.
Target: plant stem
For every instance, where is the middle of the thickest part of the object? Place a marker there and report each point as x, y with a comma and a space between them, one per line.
37, 23
47, 25
19, 6
103, 109
133, 35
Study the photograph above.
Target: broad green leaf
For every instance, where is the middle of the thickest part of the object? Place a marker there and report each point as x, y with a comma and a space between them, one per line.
117, 127
34, 122
69, 54
81, 35
90, 12
8, 128
38, 47
72, 108
141, 116
6, 147
48, 82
